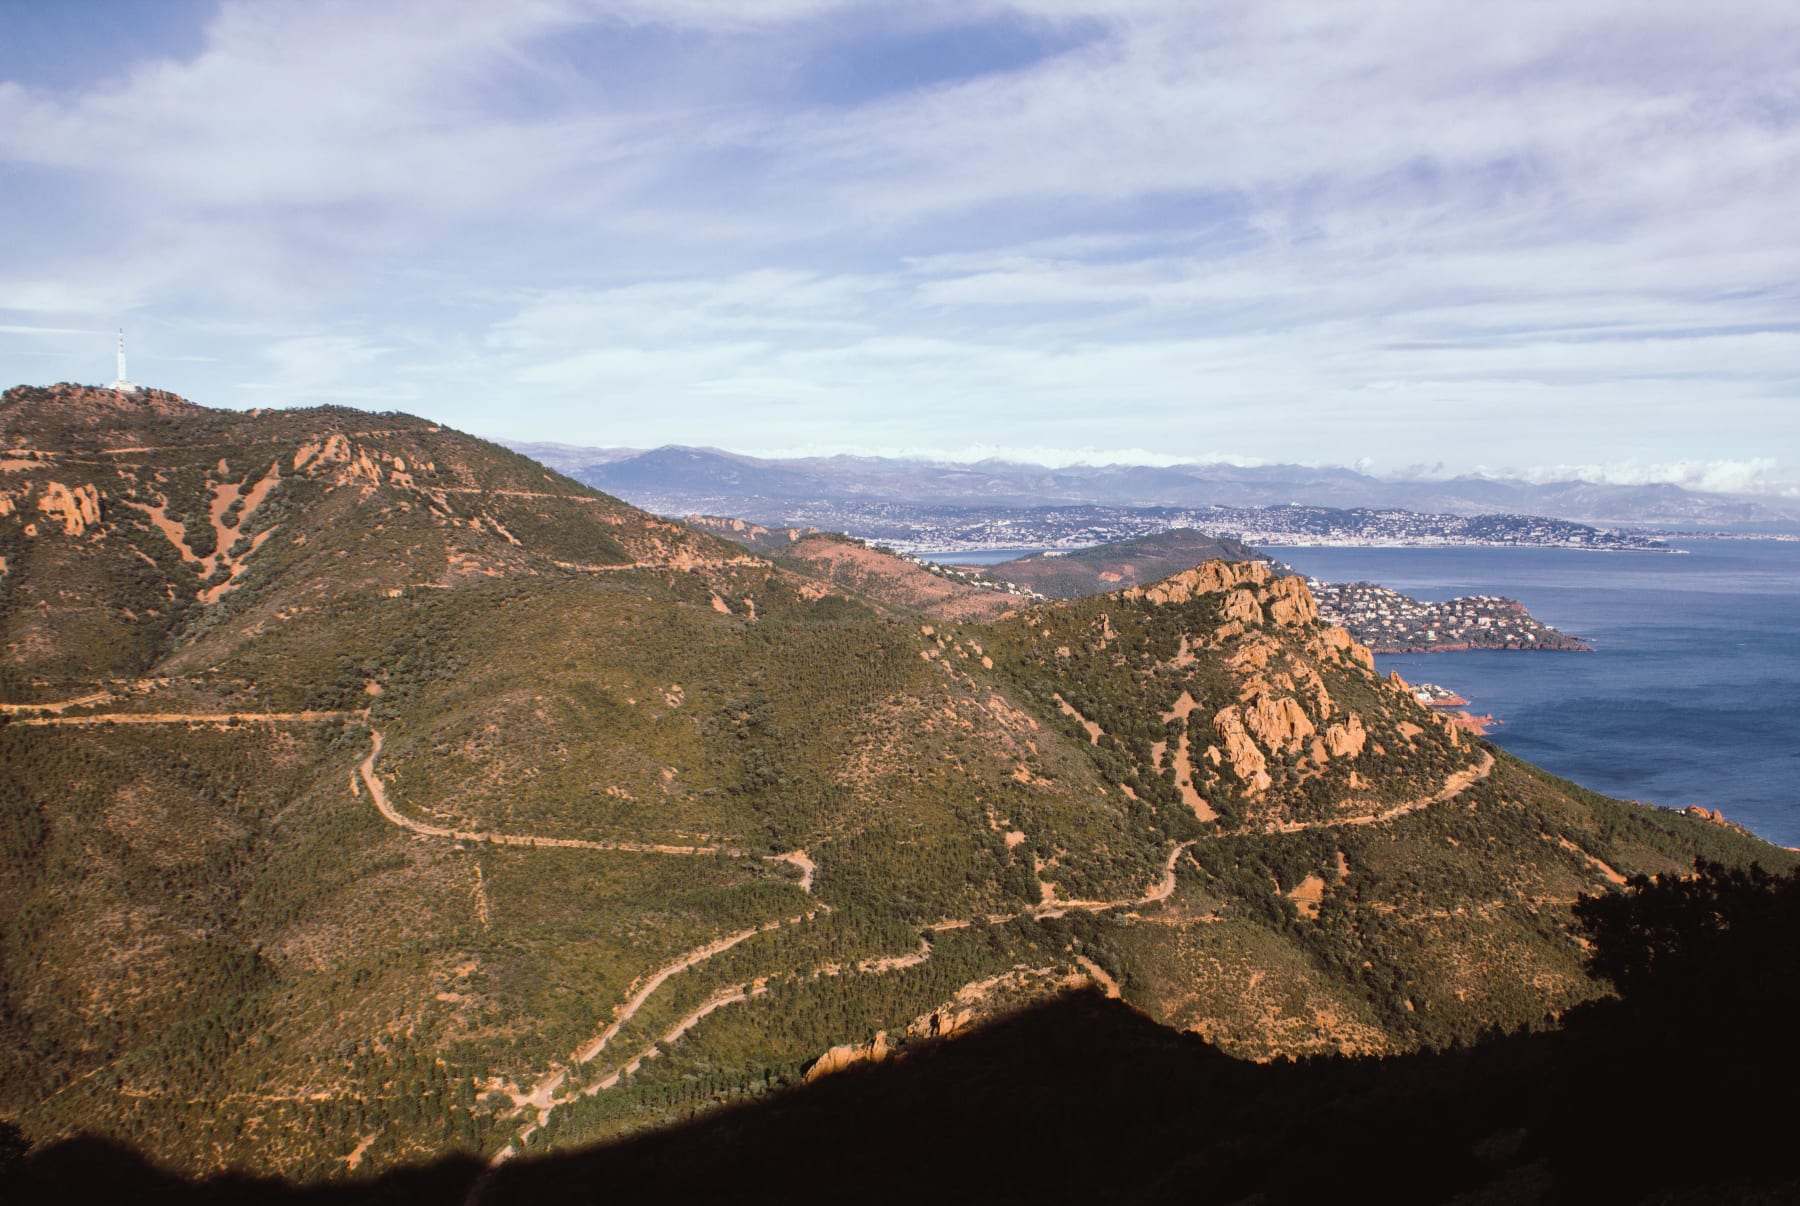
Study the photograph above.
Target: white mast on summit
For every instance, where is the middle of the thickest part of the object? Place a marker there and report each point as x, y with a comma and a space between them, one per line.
123, 384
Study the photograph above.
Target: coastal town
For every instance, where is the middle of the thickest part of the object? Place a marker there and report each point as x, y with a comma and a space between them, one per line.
916, 528
1390, 622
1361, 527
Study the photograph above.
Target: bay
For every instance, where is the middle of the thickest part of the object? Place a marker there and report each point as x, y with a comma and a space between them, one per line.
1692, 693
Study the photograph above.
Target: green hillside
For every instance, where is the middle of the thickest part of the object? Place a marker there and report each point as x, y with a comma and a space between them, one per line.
374, 794
1126, 563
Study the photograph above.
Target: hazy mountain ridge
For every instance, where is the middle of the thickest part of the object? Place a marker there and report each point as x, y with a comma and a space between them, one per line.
676, 479
456, 806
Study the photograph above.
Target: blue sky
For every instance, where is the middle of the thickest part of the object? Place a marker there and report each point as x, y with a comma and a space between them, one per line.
1553, 238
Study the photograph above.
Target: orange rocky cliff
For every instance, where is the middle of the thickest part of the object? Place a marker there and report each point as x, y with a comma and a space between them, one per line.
77, 509
1253, 595
1712, 816
1283, 707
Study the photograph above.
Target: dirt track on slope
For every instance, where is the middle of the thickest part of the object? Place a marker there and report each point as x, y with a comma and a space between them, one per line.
1454, 786
1161, 890
698, 955
549, 1092
367, 770
799, 859
1095, 972
104, 718
543, 1096
57, 708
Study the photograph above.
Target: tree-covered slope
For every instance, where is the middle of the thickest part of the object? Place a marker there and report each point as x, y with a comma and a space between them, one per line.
1119, 565
464, 808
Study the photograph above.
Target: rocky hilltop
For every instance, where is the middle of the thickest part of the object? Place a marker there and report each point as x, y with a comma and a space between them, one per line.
375, 794
126, 519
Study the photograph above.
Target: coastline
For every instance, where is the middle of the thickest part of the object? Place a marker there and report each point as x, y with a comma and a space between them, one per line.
1465, 647
1469, 722
1690, 696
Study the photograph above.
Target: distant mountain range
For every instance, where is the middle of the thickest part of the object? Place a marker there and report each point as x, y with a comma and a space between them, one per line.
677, 479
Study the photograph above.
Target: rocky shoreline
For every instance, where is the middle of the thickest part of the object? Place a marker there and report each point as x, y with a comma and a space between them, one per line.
1453, 707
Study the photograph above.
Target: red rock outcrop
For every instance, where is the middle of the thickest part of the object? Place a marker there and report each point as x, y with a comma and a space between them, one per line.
1280, 723
1205, 579
78, 509
1346, 740
836, 1059
1290, 604
1247, 761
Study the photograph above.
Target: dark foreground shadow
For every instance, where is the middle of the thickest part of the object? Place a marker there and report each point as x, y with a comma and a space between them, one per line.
1675, 1093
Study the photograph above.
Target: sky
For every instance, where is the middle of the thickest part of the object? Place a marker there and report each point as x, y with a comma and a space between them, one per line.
1553, 239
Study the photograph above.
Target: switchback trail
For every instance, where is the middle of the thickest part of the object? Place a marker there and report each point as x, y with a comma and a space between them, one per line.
700, 954
549, 1092
366, 769
544, 1095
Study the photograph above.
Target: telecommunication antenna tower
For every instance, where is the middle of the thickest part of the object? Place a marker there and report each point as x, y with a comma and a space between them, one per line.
123, 384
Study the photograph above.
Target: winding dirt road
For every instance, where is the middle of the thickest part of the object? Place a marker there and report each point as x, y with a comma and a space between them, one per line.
367, 770
548, 1093
545, 1095
1098, 975
798, 858
1454, 786
104, 718
698, 955
98, 697
1161, 890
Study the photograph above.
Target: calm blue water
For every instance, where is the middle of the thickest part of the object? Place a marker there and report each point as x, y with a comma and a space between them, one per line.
1692, 695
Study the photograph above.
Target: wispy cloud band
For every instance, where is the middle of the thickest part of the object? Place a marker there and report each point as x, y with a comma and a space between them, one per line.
1408, 231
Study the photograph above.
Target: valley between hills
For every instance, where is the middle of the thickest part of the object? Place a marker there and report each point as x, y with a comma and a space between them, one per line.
376, 797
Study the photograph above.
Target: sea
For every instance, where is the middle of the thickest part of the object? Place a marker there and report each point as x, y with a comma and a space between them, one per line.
1692, 692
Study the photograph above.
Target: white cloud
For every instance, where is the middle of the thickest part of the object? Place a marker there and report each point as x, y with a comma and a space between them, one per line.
305, 104
1407, 231
309, 369
1756, 475
15, 329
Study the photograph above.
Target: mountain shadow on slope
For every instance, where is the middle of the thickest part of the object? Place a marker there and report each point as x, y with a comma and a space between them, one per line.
1085, 1098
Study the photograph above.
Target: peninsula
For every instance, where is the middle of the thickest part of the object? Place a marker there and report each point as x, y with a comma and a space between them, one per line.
1389, 622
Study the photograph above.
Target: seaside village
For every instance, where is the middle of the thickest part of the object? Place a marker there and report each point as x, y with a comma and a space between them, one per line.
1390, 622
